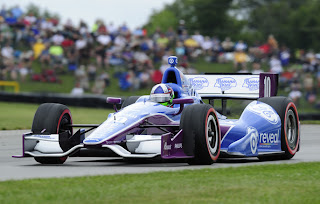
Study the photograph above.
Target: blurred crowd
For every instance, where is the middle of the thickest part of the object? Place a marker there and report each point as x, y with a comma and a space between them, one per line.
137, 58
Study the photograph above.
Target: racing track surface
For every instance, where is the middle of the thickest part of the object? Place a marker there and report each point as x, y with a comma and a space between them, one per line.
13, 168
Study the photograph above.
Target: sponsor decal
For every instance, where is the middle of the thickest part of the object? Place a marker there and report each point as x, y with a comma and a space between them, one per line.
166, 146
93, 140
251, 83
44, 136
199, 83
254, 138
264, 111
225, 83
269, 138
120, 119
173, 60
132, 114
178, 146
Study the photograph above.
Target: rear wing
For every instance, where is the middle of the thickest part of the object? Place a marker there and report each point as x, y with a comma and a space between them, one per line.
235, 86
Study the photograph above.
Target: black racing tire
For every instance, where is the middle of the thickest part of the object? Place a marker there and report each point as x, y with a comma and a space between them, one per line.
130, 100
52, 118
290, 132
201, 134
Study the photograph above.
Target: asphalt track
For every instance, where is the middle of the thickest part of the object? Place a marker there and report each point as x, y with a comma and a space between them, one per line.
24, 168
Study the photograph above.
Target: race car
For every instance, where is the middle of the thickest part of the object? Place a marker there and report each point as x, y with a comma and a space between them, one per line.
187, 129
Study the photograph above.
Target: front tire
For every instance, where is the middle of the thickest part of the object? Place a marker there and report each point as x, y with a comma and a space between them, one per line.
52, 118
201, 134
290, 133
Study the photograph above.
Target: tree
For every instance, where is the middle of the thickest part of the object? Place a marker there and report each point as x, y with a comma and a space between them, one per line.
161, 19
210, 17
306, 26
294, 23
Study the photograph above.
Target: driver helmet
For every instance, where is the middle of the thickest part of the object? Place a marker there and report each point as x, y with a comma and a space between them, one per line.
163, 94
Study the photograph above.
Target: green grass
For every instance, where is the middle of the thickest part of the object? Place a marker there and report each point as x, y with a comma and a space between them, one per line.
285, 183
312, 122
19, 116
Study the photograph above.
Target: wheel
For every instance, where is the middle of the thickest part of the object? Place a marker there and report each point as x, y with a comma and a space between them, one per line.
201, 133
290, 133
130, 100
52, 118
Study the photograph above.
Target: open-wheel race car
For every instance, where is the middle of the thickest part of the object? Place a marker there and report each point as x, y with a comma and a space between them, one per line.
185, 127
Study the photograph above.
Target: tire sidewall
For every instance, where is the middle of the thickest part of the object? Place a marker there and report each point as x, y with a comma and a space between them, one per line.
214, 156
289, 150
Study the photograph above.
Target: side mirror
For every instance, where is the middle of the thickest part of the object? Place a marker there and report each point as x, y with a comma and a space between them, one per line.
182, 101
114, 101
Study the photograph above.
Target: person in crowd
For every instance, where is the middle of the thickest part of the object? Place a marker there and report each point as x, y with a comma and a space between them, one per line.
275, 65
227, 45
91, 53
295, 93
77, 90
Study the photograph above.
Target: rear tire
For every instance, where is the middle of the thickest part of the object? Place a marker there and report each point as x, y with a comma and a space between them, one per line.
201, 134
130, 100
290, 133
52, 118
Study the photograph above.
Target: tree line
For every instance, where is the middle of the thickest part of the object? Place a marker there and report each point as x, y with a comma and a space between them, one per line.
294, 23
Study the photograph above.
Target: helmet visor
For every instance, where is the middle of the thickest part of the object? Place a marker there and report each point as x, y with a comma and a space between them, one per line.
160, 98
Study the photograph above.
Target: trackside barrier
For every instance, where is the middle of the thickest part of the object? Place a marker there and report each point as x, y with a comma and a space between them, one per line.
96, 101
15, 85
66, 99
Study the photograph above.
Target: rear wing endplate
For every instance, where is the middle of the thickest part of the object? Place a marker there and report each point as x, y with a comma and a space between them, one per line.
235, 86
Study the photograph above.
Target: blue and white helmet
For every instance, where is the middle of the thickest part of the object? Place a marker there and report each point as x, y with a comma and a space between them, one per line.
162, 93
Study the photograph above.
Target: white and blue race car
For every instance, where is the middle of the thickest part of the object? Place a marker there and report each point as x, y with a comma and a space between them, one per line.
268, 127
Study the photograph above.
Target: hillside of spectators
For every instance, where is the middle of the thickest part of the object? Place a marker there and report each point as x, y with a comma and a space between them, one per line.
138, 58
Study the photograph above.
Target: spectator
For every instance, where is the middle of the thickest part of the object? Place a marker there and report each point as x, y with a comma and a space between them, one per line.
38, 47
198, 37
77, 90
240, 59
284, 56
295, 93
181, 28
207, 46
82, 77
308, 85
272, 42
7, 53
180, 49
256, 67
99, 86
162, 41
56, 56
57, 38
275, 65
227, 45
92, 72
240, 46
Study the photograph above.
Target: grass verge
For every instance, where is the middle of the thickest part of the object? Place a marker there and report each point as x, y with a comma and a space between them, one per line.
16, 116
20, 115
285, 183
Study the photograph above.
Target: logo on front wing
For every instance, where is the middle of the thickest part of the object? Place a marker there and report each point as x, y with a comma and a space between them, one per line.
225, 83
269, 138
265, 111
254, 139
